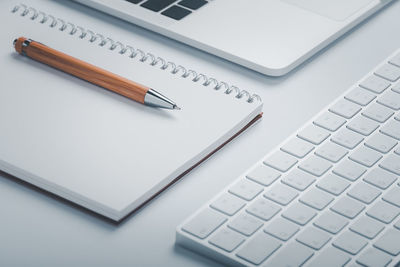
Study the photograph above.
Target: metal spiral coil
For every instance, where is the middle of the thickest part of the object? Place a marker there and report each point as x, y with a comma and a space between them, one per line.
99, 39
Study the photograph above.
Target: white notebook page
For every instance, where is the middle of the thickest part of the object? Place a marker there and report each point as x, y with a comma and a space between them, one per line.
91, 146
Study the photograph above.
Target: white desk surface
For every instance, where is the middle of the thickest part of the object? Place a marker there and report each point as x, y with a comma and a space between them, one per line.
37, 229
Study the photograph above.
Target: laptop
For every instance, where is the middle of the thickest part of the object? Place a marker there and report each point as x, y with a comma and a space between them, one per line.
269, 36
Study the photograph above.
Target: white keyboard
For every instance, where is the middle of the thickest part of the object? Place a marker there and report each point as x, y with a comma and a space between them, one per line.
328, 196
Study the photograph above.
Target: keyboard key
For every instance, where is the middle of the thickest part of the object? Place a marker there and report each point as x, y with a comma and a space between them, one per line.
330, 121
389, 242
390, 99
281, 228
375, 84
378, 112
330, 257
348, 207
299, 213
381, 143
345, 108
349, 170
228, 204
193, 4
259, 248
314, 134
176, 12
389, 72
383, 212
397, 225
227, 239
364, 192
365, 156
350, 242
204, 223
396, 88
331, 151
245, 224
313, 237
298, 179
393, 196
315, 165
316, 198
391, 163
380, 178
367, 227
392, 129
263, 175
333, 184
293, 254
374, 257
263, 209
347, 138
246, 189
362, 125
360, 96
281, 161
297, 147
395, 60
281, 194
331, 222
157, 5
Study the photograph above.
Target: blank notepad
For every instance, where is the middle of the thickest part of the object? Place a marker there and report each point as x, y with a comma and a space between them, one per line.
93, 147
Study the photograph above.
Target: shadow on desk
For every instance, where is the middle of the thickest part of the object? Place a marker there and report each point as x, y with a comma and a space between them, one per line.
194, 256
106, 223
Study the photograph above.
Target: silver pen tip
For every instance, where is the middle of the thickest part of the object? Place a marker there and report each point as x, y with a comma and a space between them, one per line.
176, 107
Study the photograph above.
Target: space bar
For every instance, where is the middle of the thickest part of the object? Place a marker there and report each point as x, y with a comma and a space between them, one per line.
157, 5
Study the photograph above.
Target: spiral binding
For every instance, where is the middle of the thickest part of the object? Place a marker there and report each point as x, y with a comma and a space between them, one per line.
132, 52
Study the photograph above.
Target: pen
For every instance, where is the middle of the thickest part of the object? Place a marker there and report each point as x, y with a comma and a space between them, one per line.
92, 74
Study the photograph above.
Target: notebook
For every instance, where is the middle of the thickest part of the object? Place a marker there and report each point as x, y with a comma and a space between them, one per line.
93, 147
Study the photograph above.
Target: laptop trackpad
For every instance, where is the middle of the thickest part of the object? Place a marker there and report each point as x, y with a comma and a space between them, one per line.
333, 9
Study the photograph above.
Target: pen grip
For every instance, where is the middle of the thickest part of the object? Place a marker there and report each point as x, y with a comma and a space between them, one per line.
81, 69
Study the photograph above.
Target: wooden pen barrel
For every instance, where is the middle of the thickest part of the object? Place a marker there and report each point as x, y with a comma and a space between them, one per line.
81, 69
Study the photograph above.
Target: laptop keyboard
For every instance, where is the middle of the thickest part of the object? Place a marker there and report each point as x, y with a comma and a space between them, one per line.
328, 196
173, 9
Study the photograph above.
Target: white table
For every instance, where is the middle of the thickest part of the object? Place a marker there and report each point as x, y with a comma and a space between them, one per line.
39, 230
